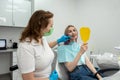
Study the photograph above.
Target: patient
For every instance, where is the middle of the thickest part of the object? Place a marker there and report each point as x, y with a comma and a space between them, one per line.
75, 59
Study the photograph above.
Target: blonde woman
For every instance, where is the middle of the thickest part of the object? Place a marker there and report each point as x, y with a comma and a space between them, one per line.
73, 56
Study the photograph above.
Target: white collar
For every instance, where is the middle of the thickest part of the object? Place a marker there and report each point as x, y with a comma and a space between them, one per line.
33, 42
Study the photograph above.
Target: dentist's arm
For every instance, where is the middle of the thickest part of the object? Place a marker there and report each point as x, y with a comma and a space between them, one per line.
61, 39
30, 76
71, 65
52, 44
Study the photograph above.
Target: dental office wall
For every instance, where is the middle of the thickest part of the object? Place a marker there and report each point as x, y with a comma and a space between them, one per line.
102, 16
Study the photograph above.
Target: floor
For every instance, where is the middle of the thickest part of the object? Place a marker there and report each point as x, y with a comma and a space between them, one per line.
5, 76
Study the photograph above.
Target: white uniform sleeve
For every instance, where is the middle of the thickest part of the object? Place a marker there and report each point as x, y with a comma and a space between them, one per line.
26, 61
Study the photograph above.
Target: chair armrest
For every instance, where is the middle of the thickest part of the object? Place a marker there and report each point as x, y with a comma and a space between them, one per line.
102, 71
14, 67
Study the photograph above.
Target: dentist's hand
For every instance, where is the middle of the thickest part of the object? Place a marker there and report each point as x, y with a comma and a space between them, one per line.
54, 75
63, 39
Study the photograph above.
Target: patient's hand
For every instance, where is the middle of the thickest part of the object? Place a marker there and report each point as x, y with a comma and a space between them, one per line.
99, 77
83, 48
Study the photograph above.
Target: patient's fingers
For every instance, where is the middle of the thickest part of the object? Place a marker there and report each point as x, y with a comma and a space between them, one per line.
84, 43
84, 47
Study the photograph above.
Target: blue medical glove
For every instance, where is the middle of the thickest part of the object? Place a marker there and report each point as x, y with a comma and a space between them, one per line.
63, 39
53, 75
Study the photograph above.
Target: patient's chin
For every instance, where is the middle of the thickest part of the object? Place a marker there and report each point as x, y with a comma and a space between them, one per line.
73, 39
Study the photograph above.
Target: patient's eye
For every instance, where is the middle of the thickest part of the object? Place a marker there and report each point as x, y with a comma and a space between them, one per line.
69, 31
74, 30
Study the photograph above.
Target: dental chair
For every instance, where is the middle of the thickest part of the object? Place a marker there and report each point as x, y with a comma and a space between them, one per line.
62, 71
63, 75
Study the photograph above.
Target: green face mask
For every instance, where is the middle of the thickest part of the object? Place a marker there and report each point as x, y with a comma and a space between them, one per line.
49, 33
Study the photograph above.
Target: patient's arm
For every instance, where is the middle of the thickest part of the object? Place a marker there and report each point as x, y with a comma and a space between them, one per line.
91, 67
71, 65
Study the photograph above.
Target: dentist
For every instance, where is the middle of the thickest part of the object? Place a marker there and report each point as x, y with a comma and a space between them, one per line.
34, 54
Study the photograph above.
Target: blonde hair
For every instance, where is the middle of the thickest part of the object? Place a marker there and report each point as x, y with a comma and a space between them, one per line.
66, 33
